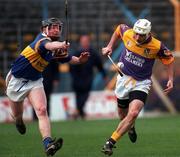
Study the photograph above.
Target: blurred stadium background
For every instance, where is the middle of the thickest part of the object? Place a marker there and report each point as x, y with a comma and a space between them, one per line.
20, 22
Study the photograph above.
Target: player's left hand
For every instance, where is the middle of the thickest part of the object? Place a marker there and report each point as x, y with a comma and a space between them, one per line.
84, 57
169, 86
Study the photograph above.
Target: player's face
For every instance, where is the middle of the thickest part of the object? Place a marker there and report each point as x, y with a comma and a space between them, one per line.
54, 31
140, 38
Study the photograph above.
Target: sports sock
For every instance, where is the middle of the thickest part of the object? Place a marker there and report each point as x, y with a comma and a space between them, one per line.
46, 141
115, 136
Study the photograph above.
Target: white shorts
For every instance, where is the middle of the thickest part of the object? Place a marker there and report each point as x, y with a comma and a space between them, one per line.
18, 88
127, 84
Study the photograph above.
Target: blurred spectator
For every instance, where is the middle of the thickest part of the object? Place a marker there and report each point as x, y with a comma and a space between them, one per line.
2, 85
154, 102
50, 80
82, 75
174, 94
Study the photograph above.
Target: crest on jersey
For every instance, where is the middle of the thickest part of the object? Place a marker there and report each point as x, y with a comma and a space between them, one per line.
147, 52
129, 43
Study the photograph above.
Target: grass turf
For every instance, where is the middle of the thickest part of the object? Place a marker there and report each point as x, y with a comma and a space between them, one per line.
157, 137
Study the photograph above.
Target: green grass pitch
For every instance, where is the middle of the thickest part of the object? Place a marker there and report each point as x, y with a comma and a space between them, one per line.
157, 137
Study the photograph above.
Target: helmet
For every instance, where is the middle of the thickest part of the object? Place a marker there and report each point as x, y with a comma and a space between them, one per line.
47, 23
142, 26
51, 21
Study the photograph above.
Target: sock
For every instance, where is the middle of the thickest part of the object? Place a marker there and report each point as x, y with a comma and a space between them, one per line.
115, 136
46, 141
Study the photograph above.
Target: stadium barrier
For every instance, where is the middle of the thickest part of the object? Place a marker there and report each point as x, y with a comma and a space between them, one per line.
101, 104
5, 110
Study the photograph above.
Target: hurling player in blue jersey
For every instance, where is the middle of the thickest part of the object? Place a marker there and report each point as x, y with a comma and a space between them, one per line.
136, 60
25, 78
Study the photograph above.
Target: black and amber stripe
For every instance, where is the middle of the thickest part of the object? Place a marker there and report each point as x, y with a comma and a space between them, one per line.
34, 59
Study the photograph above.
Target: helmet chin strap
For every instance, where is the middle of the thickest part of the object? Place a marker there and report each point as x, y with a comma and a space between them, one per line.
47, 30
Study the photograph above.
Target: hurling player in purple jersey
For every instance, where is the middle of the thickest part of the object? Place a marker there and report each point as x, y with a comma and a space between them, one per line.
140, 51
25, 79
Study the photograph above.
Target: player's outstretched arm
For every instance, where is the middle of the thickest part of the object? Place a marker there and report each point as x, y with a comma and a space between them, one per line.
56, 45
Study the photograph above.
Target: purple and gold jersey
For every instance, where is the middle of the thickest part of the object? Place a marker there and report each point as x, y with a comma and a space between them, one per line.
34, 59
138, 59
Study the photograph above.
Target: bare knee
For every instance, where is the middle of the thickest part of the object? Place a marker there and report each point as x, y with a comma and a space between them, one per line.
133, 115
41, 111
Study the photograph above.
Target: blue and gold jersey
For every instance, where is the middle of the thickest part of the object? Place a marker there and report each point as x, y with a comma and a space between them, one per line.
34, 59
138, 59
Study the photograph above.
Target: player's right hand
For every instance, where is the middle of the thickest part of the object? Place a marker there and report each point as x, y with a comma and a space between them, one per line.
65, 45
106, 51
